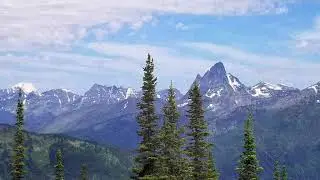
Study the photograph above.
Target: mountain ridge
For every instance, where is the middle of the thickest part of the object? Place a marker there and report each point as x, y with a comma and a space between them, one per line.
222, 93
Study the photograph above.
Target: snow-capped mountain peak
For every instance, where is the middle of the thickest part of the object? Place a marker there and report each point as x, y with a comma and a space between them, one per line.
268, 86
26, 87
130, 93
264, 89
98, 94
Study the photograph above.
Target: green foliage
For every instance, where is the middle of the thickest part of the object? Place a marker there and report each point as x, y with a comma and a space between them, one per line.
103, 162
173, 164
284, 173
276, 171
290, 133
198, 147
59, 167
213, 173
84, 172
248, 168
279, 174
148, 155
18, 161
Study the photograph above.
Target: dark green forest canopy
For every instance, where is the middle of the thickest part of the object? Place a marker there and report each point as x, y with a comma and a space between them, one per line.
103, 162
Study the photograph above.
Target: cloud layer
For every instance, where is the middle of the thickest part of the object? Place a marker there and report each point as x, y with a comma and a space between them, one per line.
43, 23
38, 41
309, 40
125, 61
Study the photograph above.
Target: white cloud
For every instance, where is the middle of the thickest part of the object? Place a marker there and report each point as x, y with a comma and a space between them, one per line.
168, 60
144, 19
40, 23
252, 67
125, 66
233, 53
249, 67
181, 26
309, 40
66, 70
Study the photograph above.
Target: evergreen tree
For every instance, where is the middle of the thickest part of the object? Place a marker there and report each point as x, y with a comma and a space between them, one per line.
284, 174
84, 172
276, 171
173, 163
18, 162
248, 168
213, 173
148, 152
59, 166
198, 147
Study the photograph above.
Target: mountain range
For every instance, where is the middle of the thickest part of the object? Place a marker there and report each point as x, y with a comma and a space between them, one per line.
61, 110
106, 114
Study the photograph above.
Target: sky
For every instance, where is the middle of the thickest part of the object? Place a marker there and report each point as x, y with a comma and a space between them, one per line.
73, 44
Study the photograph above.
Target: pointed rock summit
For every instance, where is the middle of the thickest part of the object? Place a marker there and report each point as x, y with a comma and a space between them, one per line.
215, 75
220, 90
218, 68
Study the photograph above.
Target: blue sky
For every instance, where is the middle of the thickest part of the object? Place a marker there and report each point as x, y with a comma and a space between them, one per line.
73, 44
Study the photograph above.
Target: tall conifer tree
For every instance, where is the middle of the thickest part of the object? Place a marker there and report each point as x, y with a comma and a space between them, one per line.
276, 171
59, 167
284, 173
213, 173
146, 161
173, 162
198, 147
18, 161
249, 168
84, 172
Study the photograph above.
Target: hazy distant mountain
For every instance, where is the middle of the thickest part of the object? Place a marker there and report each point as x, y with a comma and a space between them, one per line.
61, 110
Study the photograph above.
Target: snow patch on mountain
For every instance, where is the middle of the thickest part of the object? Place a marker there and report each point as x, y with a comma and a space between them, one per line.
264, 89
183, 104
233, 82
273, 86
211, 93
125, 105
130, 92
259, 92
315, 88
210, 106
67, 90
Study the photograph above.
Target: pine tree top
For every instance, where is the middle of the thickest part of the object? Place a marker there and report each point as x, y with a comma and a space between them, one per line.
198, 146
249, 167
148, 125
284, 173
84, 172
18, 159
276, 171
59, 166
59, 158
